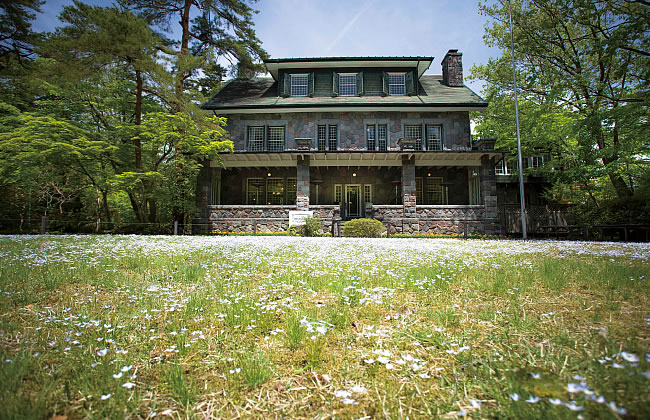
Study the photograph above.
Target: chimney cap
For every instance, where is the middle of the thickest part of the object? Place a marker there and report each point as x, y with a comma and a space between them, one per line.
453, 52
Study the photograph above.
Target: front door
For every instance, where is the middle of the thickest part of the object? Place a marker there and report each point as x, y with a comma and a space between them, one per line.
353, 200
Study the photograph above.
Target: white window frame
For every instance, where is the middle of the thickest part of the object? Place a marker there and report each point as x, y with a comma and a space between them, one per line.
296, 87
256, 143
434, 143
407, 135
338, 193
394, 86
367, 193
348, 81
276, 137
502, 168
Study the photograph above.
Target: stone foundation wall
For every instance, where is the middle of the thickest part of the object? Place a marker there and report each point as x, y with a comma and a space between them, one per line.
246, 218
432, 220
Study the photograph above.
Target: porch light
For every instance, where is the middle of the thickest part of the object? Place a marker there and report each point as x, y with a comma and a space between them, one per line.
269, 174
429, 174
354, 174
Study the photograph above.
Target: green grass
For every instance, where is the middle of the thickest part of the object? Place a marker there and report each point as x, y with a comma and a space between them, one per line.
125, 326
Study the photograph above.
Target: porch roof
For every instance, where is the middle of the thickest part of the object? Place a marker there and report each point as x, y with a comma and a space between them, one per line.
354, 158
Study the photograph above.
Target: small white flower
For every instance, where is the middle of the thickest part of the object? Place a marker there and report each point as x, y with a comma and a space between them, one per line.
358, 389
532, 400
126, 368
128, 385
326, 377
630, 357
514, 396
475, 403
383, 360
105, 397
117, 375
424, 375
612, 406
369, 361
573, 388
349, 401
536, 375
102, 352
573, 406
341, 393
555, 401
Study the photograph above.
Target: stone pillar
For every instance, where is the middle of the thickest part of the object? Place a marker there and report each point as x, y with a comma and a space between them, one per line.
409, 196
302, 183
489, 196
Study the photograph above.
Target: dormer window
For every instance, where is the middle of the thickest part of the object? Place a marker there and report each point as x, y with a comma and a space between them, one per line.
348, 84
299, 84
397, 84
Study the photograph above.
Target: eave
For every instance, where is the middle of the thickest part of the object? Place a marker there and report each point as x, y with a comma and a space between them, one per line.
354, 158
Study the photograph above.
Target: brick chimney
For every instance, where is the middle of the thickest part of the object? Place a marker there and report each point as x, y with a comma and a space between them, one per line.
452, 69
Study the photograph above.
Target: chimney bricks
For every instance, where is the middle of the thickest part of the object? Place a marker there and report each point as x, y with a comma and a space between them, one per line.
452, 69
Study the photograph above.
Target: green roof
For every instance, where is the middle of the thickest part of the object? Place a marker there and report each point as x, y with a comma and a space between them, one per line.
262, 93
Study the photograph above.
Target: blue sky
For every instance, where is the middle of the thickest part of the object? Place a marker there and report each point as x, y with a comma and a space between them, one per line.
332, 28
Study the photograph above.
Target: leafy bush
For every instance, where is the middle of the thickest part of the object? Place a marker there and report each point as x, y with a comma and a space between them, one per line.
313, 227
363, 228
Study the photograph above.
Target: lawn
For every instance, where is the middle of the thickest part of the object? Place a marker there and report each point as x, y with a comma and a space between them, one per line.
180, 327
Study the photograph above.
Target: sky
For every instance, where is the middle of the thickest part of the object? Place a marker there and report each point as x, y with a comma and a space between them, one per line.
339, 28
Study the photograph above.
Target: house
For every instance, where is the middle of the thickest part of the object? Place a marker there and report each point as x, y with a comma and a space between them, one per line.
351, 137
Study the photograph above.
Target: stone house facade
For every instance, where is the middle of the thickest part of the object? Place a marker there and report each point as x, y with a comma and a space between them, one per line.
347, 138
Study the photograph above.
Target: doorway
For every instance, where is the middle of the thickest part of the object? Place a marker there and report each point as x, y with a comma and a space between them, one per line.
353, 200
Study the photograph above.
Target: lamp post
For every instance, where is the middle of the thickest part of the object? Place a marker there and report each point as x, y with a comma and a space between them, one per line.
521, 166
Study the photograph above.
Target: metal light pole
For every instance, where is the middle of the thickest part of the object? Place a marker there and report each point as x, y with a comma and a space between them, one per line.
521, 166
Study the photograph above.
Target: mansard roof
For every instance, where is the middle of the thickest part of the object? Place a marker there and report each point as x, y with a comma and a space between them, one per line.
261, 94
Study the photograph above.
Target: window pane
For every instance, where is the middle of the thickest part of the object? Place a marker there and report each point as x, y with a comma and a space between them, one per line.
396, 84
338, 193
255, 191
382, 137
299, 85
434, 139
256, 139
332, 137
275, 191
367, 193
276, 139
322, 137
418, 191
348, 84
434, 192
414, 132
291, 190
370, 137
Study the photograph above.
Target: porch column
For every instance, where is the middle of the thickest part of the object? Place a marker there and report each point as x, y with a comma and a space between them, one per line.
489, 196
409, 194
302, 183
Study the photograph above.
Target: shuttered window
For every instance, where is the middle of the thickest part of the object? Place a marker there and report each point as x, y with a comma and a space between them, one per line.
376, 137
397, 84
299, 84
332, 137
348, 84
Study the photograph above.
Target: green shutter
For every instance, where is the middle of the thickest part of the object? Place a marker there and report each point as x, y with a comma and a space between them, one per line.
310, 84
286, 84
335, 84
385, 80
410, 83
360, 83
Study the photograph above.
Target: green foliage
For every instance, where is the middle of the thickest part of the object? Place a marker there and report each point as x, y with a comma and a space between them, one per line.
583, 91
313, 227
255, 368
363, 228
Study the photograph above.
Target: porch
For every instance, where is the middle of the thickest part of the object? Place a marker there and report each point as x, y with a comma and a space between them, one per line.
415, 192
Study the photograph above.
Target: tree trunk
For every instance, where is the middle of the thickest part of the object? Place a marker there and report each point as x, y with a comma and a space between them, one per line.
138, 119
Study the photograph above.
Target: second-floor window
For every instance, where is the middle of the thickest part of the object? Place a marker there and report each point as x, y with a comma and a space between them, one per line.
299, 84
266, 138
328, 138
434, 137
376, 137
347, 84
414, 132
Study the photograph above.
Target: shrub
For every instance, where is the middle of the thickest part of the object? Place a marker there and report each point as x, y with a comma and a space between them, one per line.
313, 227
363, 228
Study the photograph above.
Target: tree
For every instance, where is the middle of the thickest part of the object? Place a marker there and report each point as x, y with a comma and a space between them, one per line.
16, 36
590, 58
220, 29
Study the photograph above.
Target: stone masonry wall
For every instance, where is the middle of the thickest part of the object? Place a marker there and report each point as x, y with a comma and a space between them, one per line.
352, 127
241, 218
443, 220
